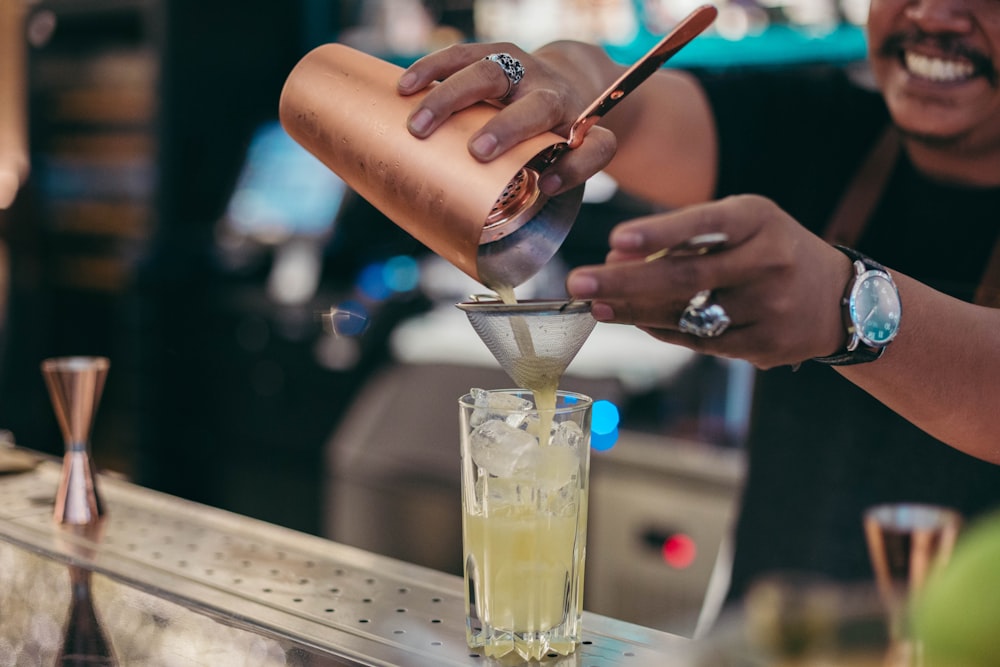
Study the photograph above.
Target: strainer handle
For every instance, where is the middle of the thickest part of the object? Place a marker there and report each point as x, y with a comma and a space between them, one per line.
690, 27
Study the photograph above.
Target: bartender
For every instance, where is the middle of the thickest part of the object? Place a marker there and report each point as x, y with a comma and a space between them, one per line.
824, 187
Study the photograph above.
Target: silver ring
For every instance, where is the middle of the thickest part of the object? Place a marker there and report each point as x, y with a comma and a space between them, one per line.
704, 319
512, 68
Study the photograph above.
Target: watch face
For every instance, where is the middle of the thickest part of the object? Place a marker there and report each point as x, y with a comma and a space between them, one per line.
875, 308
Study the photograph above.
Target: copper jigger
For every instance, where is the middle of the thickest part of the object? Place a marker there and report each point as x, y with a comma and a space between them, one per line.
75, 385
488, 219
84, 640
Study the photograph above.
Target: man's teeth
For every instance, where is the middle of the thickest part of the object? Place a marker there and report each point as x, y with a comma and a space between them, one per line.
937, 69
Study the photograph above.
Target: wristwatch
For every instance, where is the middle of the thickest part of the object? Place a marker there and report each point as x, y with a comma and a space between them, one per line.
871, 311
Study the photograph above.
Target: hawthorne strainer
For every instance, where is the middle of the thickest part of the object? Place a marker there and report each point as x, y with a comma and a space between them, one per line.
532, 340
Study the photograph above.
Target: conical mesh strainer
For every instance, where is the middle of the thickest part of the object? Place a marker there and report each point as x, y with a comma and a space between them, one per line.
533, 341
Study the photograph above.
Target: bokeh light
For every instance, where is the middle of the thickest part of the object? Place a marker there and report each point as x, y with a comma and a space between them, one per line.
380, 280
371, 282
679, 551
401, 273
602, 442
348, 318
604, 418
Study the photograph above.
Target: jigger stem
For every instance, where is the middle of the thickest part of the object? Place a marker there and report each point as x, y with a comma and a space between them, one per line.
75, 385
77, 499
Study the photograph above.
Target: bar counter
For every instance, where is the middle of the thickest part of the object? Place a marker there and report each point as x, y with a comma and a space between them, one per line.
165, 581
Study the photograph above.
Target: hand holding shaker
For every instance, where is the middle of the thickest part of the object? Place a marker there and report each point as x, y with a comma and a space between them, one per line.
488, 219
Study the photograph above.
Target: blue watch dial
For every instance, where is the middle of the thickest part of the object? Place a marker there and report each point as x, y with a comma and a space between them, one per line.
874, 309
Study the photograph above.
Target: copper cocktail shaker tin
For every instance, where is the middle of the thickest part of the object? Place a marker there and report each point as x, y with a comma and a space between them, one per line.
488, 219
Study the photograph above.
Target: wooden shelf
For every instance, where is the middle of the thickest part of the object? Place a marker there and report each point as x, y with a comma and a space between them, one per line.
95, 102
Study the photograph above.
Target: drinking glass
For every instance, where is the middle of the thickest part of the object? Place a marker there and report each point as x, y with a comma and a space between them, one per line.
524, 521
906, 542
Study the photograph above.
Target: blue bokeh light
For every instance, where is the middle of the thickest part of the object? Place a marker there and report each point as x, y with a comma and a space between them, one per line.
401, 273
604, 417
348, 318
380, 280
602, 442
371, 282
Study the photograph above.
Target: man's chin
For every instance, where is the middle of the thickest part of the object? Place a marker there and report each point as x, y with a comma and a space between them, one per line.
933, 134
933, 127
933, 139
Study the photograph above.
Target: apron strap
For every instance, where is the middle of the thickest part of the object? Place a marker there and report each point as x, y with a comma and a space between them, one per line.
855, 208
988, 292
857, 204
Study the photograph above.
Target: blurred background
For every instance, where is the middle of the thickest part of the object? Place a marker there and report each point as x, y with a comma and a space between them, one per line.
169, 223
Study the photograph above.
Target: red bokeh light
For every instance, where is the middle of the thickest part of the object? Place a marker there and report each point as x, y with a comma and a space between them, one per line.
679, 551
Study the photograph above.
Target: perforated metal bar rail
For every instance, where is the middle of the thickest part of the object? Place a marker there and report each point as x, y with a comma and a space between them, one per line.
361, 607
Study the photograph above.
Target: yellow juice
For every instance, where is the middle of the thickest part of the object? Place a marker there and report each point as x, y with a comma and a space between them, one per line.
526, 577
524, 561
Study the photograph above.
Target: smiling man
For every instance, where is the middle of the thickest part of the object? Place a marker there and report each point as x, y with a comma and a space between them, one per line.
862, 268
934, 64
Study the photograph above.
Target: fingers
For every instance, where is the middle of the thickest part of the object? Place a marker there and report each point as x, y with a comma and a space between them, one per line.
658, 317
635, 292
543, 102
574, 167
469, 78
779, 284
728, 223
442, 64
533, 114
658, 263
482, 80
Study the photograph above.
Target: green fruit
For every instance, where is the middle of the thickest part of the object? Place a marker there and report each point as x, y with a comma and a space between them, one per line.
957, 615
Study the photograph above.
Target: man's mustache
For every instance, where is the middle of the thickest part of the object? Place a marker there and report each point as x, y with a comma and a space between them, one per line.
948, 45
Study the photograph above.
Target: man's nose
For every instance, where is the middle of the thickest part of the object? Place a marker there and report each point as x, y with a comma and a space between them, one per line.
940, 15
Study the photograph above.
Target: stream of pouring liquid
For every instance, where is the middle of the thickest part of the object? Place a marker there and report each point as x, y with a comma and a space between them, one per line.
540, 375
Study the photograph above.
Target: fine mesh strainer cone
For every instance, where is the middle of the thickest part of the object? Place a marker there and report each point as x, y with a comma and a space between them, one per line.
533, 341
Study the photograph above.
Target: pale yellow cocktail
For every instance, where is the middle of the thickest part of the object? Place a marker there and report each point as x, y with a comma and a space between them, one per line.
524, 520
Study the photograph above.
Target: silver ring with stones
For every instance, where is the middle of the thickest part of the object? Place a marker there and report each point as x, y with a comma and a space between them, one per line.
512, 68
702, 318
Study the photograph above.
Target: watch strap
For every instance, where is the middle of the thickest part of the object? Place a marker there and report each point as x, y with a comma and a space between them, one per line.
860, 257
861, 355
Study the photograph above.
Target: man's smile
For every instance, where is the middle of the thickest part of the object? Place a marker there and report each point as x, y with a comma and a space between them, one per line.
938, 59
938, 69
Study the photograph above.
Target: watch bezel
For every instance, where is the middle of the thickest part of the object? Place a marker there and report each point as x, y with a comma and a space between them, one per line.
858, 336
860, 349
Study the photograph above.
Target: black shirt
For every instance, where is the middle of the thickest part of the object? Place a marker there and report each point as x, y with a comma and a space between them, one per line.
820, 449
